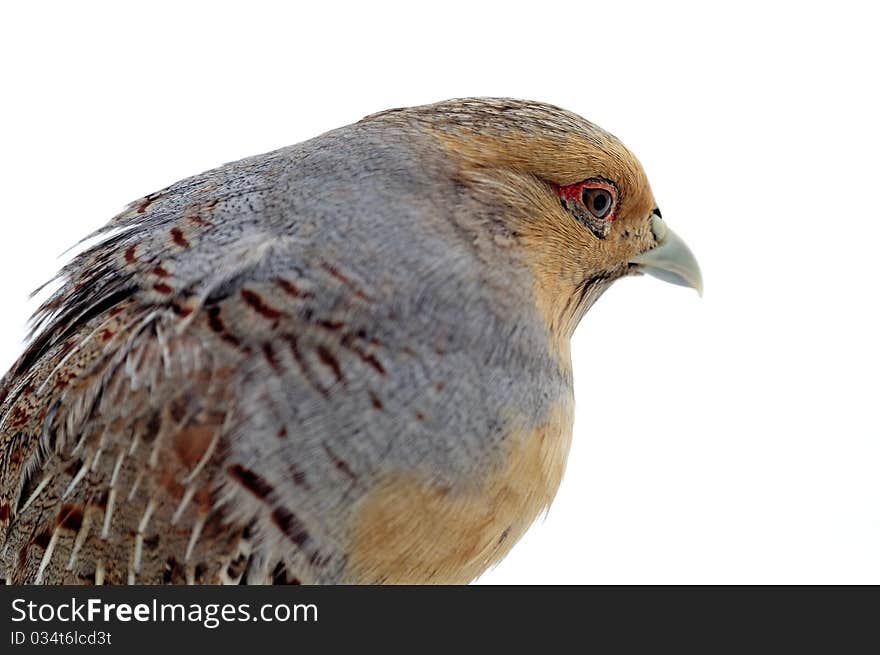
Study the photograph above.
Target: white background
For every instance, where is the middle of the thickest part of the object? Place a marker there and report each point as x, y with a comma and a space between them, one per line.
728, 439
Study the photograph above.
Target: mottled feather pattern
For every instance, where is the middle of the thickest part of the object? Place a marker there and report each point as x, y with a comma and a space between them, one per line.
246, 359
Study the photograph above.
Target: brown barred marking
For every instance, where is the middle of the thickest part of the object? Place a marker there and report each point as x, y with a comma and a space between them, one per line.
181, 311
347, 342
283, 518
179, 238
163, 288
269, 354
281, 577
256, 302
347, 281
291, 526
303, 366
250, 481
328, 360
291, 289
130, 254
161, 271
216, 324
214, 320
340, 464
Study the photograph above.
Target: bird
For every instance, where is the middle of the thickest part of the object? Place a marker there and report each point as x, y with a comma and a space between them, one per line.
346, 361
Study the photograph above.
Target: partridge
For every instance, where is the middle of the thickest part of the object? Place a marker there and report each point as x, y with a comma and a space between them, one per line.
344, 361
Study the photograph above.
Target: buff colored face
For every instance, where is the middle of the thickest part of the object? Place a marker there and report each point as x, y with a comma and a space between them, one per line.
578, 199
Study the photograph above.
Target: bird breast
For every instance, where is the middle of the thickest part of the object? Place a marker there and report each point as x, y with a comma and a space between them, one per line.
409, 531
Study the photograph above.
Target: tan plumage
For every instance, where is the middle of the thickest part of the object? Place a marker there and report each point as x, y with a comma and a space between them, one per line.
343, 361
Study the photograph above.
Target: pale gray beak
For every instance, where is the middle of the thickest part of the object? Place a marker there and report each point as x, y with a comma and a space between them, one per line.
670, 260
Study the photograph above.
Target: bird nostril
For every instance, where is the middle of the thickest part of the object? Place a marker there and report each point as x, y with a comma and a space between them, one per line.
658, 227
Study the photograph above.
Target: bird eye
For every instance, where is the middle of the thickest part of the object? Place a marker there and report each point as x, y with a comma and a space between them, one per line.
593, 202
597, 201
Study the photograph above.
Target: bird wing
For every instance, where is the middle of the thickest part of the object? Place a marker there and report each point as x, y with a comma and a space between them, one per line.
107, 454
220, 379
199, 395
112, 421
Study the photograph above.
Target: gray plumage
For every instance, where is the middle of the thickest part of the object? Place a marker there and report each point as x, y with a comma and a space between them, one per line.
345, 361
366, 316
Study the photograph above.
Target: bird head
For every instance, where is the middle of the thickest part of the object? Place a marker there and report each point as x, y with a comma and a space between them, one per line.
570, 193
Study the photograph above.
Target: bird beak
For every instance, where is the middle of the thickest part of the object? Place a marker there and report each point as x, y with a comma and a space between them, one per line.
670, 260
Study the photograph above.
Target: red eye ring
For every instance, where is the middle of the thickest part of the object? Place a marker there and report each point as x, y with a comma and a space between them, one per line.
601, 205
